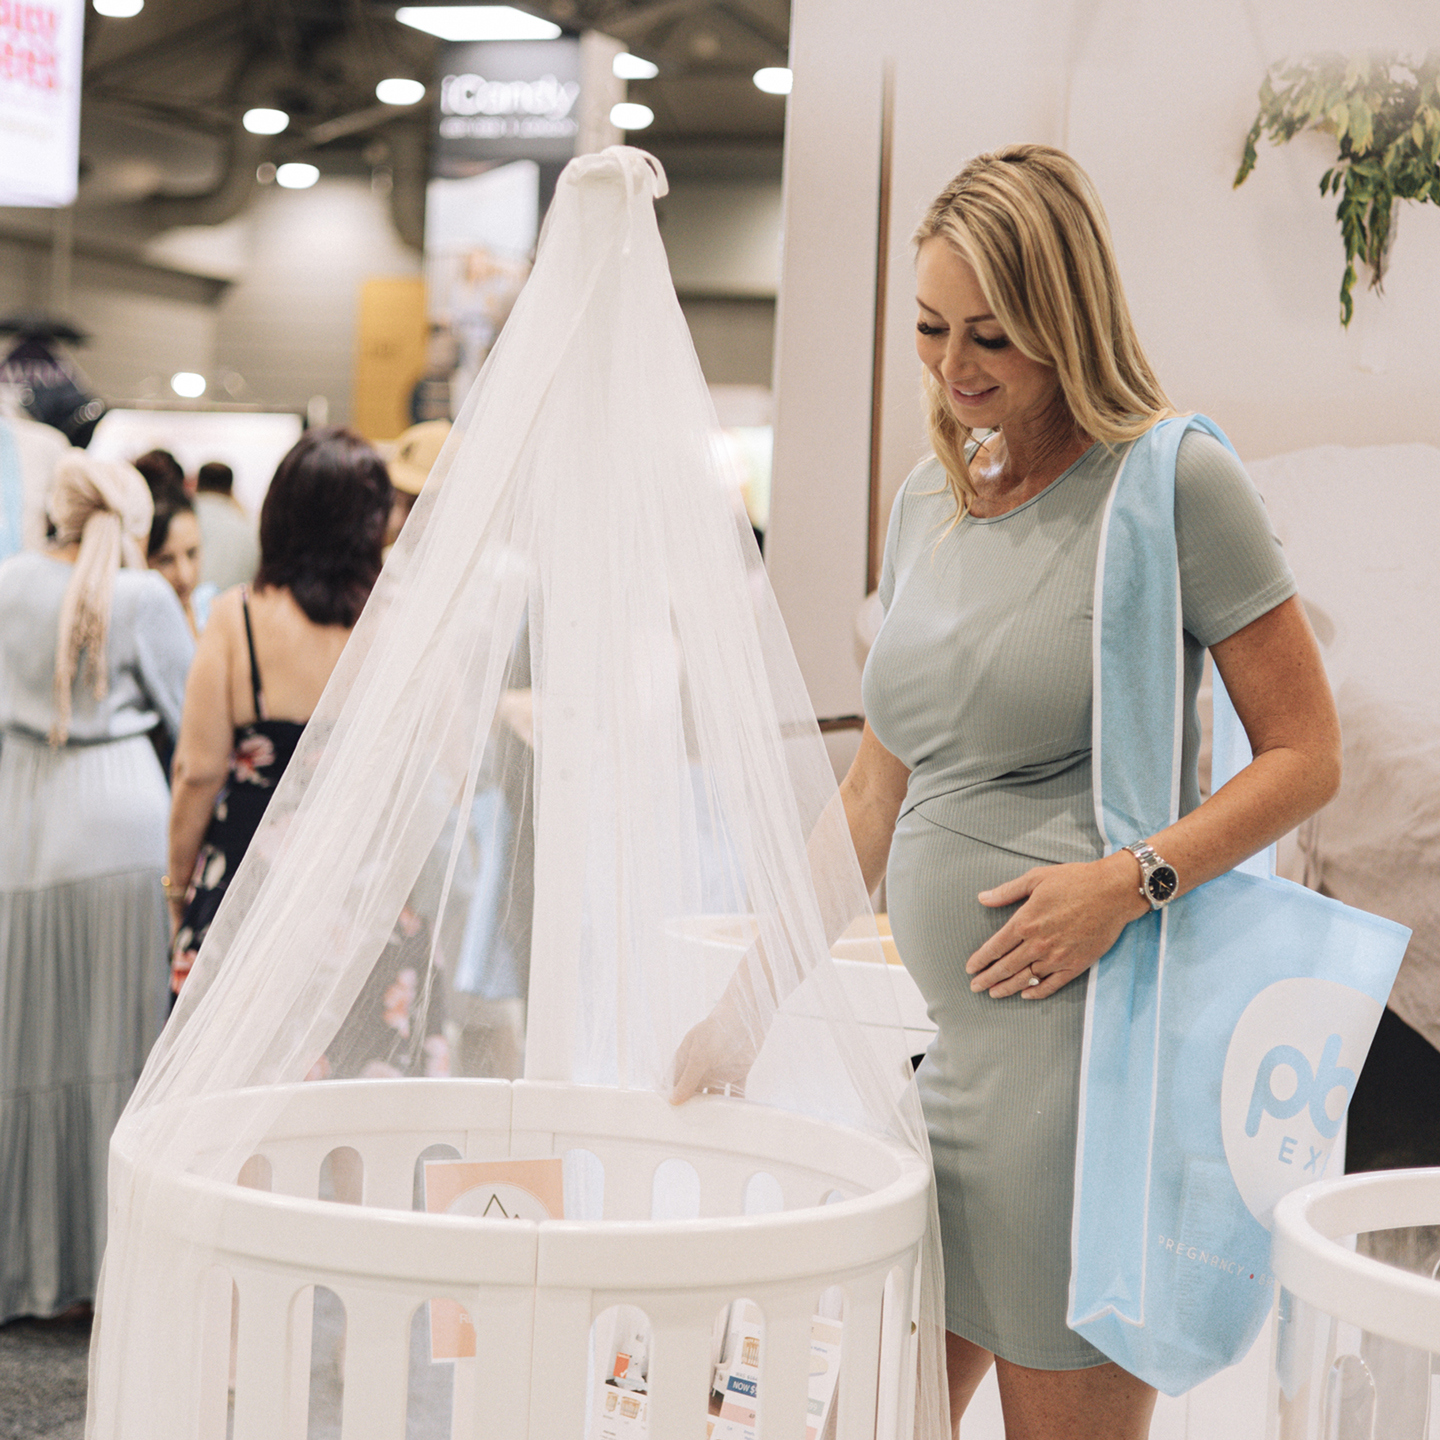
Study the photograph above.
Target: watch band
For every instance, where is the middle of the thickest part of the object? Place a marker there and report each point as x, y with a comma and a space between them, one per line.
1158, 880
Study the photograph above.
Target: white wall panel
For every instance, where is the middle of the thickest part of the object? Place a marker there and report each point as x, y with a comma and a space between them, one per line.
288, 326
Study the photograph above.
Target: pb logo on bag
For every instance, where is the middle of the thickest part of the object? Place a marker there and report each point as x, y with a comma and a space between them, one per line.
1282, 1099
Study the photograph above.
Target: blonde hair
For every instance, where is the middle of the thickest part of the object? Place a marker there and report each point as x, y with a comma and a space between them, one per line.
1028, 221
105, 506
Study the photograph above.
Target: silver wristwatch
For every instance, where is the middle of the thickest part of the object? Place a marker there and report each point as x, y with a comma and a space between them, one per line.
1158, 880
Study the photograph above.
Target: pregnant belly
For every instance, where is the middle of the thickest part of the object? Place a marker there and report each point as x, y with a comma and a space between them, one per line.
932, 884
1000, 1073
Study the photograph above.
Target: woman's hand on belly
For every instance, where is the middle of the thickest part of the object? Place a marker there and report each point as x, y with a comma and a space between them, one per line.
1071, 915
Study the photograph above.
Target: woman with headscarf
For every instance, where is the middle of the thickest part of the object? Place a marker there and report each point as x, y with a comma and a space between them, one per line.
94, 650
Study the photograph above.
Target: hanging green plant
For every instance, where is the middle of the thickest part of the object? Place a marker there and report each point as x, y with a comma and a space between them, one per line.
1385, 115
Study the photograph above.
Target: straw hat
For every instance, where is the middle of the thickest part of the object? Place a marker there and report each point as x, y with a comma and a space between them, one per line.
410, 457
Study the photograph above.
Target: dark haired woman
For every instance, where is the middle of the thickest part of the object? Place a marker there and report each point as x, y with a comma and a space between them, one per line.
162, 471
263, 661
174, 550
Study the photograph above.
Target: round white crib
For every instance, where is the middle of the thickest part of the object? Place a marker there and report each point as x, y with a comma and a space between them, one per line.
854, 1212
1357, 1353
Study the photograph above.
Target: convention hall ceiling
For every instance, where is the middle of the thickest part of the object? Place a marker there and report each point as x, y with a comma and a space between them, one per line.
162, 142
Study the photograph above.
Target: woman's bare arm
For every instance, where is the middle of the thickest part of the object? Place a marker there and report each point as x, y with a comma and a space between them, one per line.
202, 752
719, 1051
872, 792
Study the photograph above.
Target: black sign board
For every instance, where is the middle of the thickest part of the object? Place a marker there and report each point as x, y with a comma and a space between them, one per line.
506, 100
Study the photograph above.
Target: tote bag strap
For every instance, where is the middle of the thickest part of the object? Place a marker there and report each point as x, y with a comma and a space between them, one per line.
1137, 732
1137, 719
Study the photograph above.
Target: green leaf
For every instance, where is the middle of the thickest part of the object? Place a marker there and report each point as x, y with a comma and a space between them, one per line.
1362, 124
1248, 157
1384, 112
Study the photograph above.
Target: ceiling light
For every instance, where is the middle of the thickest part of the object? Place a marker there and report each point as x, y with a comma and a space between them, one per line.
187, 384
631, 67
297, 175
264, 122
399, 92
476, 22
774, 80
118, 9
630, 116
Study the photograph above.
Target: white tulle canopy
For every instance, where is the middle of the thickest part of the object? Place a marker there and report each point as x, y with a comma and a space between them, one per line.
567, 758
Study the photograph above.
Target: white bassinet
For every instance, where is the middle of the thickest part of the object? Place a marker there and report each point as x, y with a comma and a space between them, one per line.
668, 861
1357, 1353
533, 1290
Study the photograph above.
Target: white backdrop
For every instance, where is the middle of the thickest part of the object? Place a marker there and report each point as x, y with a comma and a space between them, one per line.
251, 443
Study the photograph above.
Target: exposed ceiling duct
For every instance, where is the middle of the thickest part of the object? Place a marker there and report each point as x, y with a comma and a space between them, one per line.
163, 149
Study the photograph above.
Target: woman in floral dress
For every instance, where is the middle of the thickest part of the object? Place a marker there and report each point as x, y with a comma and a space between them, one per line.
262, 663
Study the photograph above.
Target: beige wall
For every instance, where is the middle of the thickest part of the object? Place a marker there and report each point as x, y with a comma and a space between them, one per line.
283, 317
144, 321
734, 338
289, 325
1234, 292
273, 296
722, 237
723, 241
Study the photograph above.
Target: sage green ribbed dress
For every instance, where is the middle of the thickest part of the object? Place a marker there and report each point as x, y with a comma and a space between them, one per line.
980, 682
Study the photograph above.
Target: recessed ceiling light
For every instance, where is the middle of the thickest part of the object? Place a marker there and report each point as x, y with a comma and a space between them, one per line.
262, 121
297, 175
399, 92
630, 116
476, 22
631, 67
118, 9
188, 384
774, 80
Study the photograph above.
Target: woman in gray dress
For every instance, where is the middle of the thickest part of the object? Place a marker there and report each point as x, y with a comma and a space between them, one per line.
972, 790
92, 656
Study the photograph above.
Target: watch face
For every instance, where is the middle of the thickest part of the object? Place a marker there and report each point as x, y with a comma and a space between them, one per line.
1161, 883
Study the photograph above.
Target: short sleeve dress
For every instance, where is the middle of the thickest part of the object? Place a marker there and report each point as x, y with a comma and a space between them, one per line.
979, 681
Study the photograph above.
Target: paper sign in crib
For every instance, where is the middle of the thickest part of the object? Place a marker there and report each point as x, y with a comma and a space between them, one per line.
488, 1190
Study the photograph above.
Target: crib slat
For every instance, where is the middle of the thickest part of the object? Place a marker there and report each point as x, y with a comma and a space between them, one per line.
504, 1320
264, 1373
911, 1354
897, 1355
785, 1367
217, 1291
377, 1364
859, 1349
680, 1368
557, 1366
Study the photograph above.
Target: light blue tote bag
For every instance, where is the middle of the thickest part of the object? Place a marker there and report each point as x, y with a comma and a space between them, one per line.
1223, 1034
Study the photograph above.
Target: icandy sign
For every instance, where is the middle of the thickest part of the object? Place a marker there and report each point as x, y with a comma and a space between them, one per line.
40, 45
506, 100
